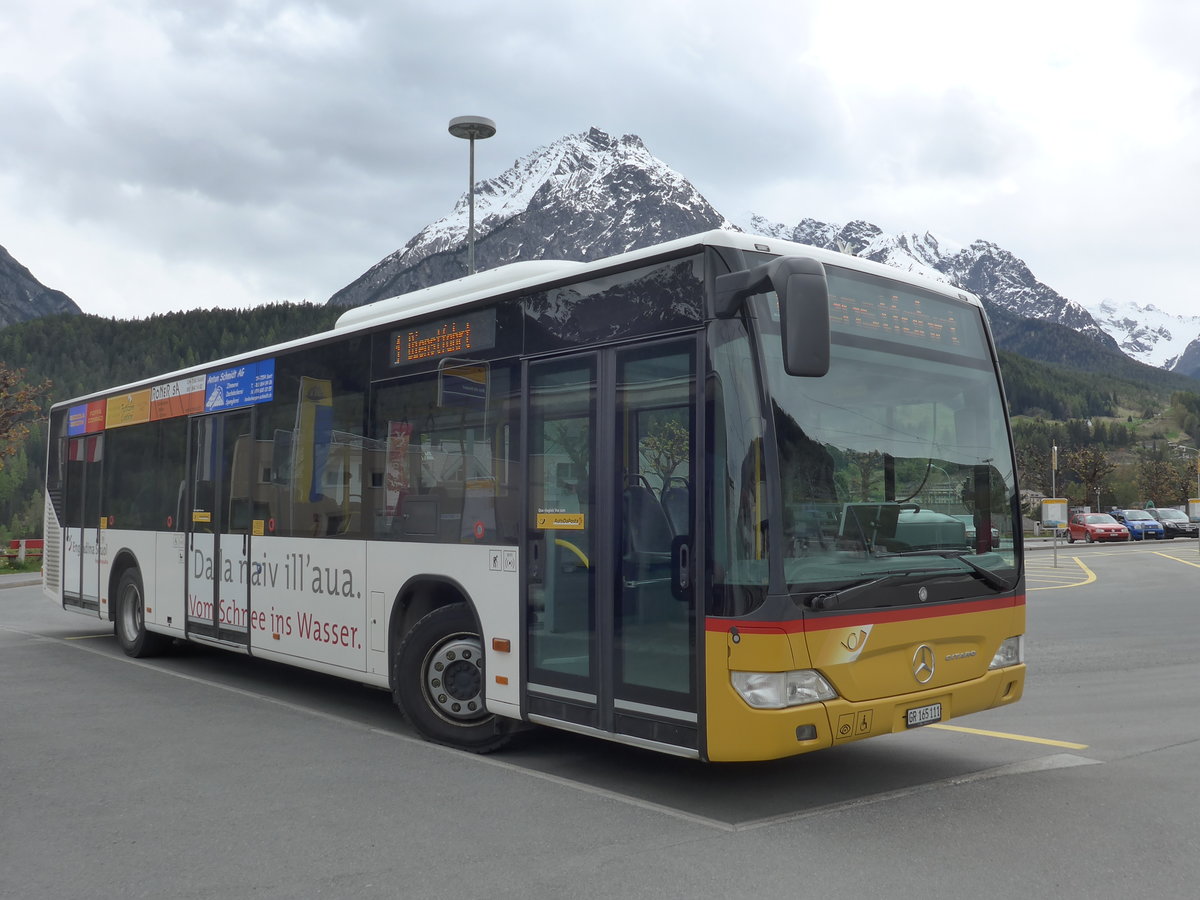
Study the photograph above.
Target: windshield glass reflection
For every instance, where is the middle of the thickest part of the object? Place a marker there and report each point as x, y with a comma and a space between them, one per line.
898, 460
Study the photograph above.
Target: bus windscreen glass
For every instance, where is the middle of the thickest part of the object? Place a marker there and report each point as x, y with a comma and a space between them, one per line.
897, 462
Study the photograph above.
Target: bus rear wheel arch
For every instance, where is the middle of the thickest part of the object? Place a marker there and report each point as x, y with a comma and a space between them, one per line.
438, 682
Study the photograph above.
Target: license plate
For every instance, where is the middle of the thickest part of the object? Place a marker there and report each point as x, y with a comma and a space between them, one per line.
924, 715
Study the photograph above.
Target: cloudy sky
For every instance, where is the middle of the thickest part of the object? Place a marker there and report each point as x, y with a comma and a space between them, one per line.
161, 155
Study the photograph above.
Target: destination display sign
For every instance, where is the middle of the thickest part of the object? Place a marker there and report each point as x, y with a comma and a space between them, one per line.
460, 336
889, 311
899, 315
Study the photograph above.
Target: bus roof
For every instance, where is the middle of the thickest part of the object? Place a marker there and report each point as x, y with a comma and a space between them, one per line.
521, 275
524, 276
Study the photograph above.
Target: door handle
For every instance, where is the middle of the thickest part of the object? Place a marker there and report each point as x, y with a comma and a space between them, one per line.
535, 561
681, 568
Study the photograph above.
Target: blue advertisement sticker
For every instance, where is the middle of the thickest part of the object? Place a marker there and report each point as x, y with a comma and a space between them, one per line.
240, 386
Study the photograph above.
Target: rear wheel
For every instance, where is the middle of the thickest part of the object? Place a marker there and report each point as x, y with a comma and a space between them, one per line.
130, 626
438, 682
1070, 536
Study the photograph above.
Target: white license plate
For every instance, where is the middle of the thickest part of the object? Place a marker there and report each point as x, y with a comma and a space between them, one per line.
924, 715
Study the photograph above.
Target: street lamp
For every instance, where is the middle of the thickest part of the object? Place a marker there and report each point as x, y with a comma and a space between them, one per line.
471, 128
1197, 452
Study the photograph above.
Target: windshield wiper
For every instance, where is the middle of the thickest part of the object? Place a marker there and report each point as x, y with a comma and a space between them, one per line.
833, 599
987, 576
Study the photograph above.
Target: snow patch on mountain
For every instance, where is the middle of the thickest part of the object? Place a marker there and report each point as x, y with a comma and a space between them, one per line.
583, 197
573, 169
983, 268
591, 195
1147, 333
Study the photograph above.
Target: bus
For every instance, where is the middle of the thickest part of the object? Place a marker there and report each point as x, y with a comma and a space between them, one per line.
727, 497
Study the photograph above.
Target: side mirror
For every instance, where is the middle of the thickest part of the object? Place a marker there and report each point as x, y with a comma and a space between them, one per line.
803, 294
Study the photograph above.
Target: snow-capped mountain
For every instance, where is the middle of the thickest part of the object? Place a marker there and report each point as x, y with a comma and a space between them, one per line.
983, 268
586, 196
1147, 333
590, 195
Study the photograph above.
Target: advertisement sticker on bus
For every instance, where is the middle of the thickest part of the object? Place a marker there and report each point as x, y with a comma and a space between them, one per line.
86, 418
177, 398
128, 409
240, 386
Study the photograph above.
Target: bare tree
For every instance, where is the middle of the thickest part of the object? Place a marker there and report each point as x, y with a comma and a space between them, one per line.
18, 403
1091, 467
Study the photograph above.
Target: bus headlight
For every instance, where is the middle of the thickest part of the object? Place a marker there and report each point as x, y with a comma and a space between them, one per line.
778, 690
1011, 653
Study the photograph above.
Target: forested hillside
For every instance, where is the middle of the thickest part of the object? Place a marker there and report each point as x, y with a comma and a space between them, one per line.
1068, 351
80, 354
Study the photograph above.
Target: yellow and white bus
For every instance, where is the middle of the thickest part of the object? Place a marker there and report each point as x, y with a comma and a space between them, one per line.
726, 497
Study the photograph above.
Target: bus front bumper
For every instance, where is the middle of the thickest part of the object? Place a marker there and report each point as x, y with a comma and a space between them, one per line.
739, 733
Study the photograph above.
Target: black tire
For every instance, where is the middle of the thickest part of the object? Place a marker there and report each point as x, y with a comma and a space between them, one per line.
130, 624
438, 682
1088, 537
1070, 536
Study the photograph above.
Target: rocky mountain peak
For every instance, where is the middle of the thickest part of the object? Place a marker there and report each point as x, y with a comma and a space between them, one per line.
23, 297
591, 194
1151, 335
585, 196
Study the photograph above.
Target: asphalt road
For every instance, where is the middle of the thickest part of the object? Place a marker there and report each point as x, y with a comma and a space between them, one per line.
206, 775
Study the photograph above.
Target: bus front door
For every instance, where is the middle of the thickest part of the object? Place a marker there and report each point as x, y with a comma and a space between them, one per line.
218, 541
610, 608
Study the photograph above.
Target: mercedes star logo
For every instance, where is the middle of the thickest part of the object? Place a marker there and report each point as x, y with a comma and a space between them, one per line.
923, 663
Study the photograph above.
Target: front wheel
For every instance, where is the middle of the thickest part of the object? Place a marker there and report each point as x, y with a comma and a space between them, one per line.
438, 682
130, 625
1088, 537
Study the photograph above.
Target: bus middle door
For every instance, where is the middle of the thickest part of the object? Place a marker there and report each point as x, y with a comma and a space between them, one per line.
220, 448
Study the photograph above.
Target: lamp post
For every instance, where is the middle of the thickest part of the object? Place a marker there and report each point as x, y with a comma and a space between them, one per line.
1054, 471
1197, 452
471, 128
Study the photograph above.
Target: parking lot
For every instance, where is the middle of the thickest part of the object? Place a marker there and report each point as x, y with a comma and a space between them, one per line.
205, 775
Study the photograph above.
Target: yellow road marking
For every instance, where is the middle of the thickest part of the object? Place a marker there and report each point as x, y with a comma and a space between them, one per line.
1176, 559
1091, 576
1010, 737
85, 637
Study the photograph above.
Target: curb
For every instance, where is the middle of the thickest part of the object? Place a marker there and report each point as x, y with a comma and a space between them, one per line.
20, 579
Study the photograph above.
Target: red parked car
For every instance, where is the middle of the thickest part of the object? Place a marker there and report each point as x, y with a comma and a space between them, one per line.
1095, 527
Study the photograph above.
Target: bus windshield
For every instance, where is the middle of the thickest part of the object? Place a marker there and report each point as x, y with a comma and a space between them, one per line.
896, 464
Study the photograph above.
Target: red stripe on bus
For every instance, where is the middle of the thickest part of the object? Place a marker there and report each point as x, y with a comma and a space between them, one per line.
865, 616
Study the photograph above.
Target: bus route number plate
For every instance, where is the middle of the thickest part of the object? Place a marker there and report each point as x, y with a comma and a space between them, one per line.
925, 715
